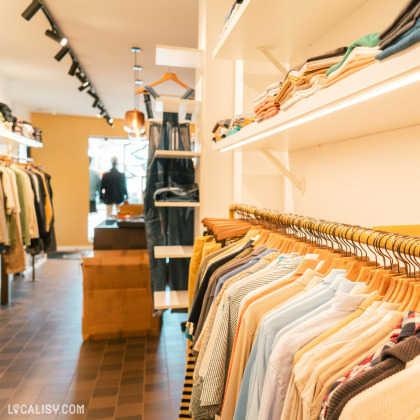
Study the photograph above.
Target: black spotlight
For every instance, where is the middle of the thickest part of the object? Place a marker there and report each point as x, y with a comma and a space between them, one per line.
59, 56
57, 38
93, 94
31, 9
73, 68
84, 86
95, 103
81, 77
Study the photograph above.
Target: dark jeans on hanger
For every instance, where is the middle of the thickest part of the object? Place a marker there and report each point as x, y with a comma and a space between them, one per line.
168, 226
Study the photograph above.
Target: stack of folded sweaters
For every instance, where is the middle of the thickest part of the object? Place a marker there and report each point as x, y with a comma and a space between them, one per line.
265, 105
225, 128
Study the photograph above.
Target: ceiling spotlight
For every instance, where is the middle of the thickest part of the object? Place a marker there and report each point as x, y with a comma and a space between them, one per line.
59, 56
138, 68
54, 35
84, 86
81, 77
73, 68
31, 9
95, 103
138, 82
98, 115
110, 121
135, 49
92, 93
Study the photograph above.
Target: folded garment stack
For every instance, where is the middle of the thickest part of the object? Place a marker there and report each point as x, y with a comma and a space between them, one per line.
265, 106
225, 128
220, 129
177, 193
17, 125
307, 78
238, 122
403, 32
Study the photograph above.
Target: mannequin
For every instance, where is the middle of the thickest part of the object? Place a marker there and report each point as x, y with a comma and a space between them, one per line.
113, 188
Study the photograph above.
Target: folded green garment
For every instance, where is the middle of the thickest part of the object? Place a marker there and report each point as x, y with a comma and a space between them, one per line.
371, 40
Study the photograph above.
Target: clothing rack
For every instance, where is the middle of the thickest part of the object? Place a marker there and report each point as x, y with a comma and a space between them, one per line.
4, 277
394, 247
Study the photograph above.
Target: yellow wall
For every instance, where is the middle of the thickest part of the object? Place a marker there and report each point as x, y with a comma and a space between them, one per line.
65, 157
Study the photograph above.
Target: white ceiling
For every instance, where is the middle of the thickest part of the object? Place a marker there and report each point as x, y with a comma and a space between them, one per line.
101, 33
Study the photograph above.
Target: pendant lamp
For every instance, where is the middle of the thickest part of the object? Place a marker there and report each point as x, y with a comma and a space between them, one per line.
134, 119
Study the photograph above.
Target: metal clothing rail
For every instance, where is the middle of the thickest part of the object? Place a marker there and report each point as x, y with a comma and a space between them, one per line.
404, 249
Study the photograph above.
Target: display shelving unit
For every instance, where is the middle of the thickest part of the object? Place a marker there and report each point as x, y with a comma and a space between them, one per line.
170, 56
259, 45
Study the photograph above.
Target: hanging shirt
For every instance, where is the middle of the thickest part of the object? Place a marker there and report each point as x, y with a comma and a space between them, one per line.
319, 366
393, 360
247, 329
390, 398
215, 366
407, 327
280, 364
282, 320
48, 202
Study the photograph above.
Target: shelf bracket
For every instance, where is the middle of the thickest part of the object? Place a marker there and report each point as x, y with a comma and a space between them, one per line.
267, 52
299, 184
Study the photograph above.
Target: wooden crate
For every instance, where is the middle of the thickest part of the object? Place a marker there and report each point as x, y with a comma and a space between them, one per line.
117, 300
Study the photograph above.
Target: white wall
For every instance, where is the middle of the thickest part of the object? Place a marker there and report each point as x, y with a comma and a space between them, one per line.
216, 168
372, 16
367, 181
6, 96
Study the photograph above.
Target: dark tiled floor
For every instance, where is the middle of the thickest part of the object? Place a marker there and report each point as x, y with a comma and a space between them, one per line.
43, 359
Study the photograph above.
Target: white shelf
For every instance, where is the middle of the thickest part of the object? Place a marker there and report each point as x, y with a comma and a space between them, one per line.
383, 97
178, 57
177, 204
8, 135
174, 251
286, 26
181, 106
175, 299
176, 154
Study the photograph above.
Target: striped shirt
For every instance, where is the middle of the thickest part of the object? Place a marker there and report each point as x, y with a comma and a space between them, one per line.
408, 326
197, 412
215, 365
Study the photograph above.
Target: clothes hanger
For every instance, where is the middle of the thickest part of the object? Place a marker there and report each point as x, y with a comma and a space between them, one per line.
167, 76
414, 302
378, 273
393, 277
411, 298
401, 284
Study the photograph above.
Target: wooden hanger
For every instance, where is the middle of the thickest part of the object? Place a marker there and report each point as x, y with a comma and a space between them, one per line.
403, 290
167, 76
414, 302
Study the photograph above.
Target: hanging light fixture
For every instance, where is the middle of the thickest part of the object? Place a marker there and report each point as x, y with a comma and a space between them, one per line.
134, 120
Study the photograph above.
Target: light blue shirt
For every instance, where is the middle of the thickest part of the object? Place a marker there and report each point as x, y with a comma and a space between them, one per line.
283, 319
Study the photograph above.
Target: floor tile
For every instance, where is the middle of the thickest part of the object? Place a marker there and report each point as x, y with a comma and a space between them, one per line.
43, 358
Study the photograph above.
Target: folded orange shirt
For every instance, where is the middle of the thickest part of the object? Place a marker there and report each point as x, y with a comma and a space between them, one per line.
352, 68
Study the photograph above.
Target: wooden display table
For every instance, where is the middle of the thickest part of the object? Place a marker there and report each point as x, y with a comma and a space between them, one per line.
117, 300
